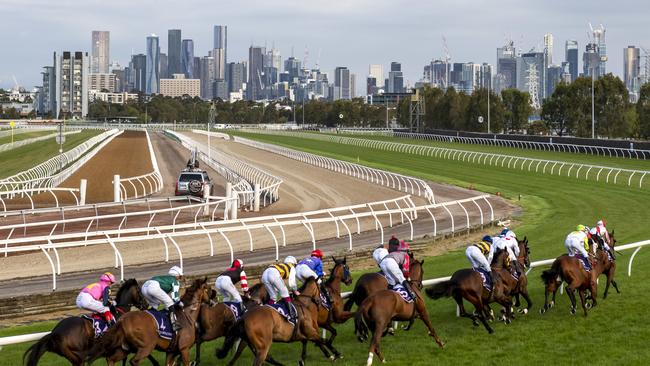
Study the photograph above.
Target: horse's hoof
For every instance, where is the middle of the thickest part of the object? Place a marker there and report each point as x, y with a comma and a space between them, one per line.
391, 331
332, 358
301, 363
588, 305
508, 321
573, 311
490, 331
524, 311
552, 303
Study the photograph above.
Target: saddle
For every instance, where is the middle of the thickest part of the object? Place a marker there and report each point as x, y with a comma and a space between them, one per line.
403, 293
583, 262
324, 301
236, 308
99, 324
282, 309
485, 278
163, 323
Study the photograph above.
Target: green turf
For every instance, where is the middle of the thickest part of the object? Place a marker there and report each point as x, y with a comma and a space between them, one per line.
25, 157
614, 333
25, 136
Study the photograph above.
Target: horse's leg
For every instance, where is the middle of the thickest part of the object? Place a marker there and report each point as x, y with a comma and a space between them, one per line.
529, 302
141, 354
303, 354
273, 361
380, 325
572, 297
330, 341
583, 300
424, 315
240, 349
478, 305
593, 287
197, 357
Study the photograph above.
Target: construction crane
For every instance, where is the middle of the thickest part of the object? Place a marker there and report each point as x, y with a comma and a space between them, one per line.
447, 59
318, 59
646, 65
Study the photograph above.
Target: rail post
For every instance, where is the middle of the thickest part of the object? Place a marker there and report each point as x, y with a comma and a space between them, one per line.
256, 197
82, 192
116, 188
234, 205
206, 200
226, 210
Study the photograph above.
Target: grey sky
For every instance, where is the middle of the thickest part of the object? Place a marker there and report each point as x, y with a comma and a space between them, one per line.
351, 33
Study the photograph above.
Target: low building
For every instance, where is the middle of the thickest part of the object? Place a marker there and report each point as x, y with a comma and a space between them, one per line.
180, 86
115, 98
102, 82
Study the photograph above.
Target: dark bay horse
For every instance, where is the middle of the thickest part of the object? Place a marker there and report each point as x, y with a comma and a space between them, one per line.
609, 265
377, 311
215, 320
568, 269
467, 284
523, 262
73, 336
137, 331
369, 283
262, 325
335, 314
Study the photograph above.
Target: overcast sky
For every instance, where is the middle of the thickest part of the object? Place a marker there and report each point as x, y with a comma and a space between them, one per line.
352, 33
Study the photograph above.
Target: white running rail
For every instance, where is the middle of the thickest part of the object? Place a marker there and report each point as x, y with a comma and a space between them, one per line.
143, 185
17, 144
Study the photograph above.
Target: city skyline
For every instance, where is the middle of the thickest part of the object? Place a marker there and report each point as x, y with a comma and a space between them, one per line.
339, 34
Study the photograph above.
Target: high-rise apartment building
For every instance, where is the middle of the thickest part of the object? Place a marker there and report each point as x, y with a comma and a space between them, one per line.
599, 40
591, 61
138, 71
102, 82
377, 71
219, 55
207, 77
571, 56
174, 51
100, 56
187, 58
71, 70
632, 70
164, 64
152, 83
548, 48
255, 88
47, 94
236, 76
179, 86
341, 83
221, 40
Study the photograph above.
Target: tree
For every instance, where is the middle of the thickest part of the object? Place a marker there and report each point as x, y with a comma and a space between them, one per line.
558, 110
612, 104
517, 109
643, 111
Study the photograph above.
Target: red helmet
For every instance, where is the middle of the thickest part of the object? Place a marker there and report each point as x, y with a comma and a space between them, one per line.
403, 246
107, 277
237, 263
317, 253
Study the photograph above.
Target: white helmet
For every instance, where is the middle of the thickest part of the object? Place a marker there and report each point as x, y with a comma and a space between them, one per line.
511, 234
175, 271
379, 254
290, 260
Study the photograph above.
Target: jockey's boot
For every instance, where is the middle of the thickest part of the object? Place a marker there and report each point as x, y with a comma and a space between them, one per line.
611, 253
293, 314
173, 319
326, 293
493, 283
409, 289
240, 308
108, 316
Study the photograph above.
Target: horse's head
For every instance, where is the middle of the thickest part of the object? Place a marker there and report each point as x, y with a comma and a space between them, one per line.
612, 240
341, 271
258, 294
524, 252
416, 272
310, 289
197, 293
129, 295
501, 259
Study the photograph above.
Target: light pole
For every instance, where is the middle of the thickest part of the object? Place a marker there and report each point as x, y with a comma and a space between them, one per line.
593, 109
488, 108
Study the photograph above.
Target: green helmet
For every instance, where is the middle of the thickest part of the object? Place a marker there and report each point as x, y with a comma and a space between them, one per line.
580, 228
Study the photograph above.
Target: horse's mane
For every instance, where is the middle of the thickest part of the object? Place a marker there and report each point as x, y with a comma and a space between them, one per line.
255, 288
330, 279
189, 292
125, 287
304, 285
497, 255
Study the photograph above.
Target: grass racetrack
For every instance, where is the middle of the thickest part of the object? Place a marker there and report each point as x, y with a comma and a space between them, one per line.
25, 157
25, 135
614, 332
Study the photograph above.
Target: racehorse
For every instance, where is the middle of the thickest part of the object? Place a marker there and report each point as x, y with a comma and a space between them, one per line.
609, 265
377, 311
568, 269
335, 314
467, 284
369, 283
138, 332
215, 320
73, 336
262, 325
523, 262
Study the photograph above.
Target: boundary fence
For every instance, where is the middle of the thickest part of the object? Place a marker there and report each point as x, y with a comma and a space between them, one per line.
10, 146
598, 173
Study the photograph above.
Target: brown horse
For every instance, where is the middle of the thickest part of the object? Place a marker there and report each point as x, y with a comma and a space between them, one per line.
377, 311
609, 265
335, 314
467, 284
369, 283
568, 269
215, 320
73, 336
523, 262
138, 332
262, 325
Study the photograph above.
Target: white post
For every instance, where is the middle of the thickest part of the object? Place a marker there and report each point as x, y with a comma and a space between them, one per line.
234, 206
82, 192
116, 188
256, 199
206, 200
227, 209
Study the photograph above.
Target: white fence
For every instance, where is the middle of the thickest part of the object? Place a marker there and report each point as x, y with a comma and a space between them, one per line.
8, 195
143, 185
400, 182
5, 341
45, 174
390, 211
17, 144
598, 173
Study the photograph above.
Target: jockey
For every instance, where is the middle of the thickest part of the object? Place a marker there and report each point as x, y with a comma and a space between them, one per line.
273, 279
480, 256
577, 244
393, 244
509, 243
96, 297
165, 290
507, 233
601, 231
225, 283
312, 267
395, 267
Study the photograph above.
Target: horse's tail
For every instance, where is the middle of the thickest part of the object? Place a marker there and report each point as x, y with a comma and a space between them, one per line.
111, 340
349, 303
360, 327
441, 289
235, 332
36, 350
552, 273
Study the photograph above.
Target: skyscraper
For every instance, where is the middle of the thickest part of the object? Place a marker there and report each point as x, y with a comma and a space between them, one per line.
207, 77
100, 52
377, 71
152, 83
221, 39
571, 56
548, 48
187, 58
292, 66
506, 67
591, 60
219, 55
138, 69
395, 78
236, 76
71, 69
632, 69
174, 52
254, 86
164, 65
341, 83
